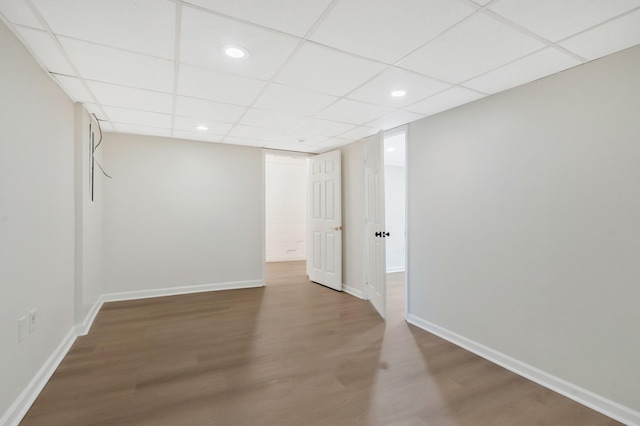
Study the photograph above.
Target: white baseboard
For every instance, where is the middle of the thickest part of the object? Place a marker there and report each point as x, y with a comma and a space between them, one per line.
21, 405
83, 328
392, 269
353, 291
583, 396
174, 291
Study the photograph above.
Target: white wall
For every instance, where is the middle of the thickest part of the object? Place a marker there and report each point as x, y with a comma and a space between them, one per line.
36, 216
394, 216
88, 212
181, 213
285, 207
353, 218
524, 226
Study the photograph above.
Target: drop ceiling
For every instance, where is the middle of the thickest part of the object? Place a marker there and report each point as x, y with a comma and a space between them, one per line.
318, 74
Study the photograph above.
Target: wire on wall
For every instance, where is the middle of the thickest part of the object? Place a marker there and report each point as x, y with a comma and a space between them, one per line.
96, 147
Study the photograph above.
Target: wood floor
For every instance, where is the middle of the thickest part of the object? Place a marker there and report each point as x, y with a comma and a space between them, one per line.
293, 353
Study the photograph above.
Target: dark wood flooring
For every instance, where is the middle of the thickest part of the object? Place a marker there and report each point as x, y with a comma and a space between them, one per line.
293, 353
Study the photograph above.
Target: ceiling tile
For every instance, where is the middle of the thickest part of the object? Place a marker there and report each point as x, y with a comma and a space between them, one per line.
537, 65
18, 12
141, 118
251, 132
448, 99
46, 50
395, 119
300, 138
291, 146
204, 36
141, 130
326, 70
187, 124
322, 127
276, 120
119, 67
387, 30
608, 38
482, 2
290, 16
244, 141
358, 133
378, 91
74, 88
334, 143
201, 83
199, 108
126, 97
292, 100
95, 109
348, 111
556, 20
197, 136
143, 26
477, 45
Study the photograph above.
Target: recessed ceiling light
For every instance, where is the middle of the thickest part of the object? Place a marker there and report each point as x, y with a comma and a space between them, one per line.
235, 52
202, 127
398, 93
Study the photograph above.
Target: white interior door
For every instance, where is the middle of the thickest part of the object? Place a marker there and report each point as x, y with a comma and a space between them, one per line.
324, 262
375, 256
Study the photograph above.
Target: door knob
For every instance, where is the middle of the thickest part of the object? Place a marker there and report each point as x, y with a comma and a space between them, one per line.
337, 228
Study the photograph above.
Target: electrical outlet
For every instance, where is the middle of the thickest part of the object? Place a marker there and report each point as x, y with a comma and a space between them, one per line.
32, 321
23, 329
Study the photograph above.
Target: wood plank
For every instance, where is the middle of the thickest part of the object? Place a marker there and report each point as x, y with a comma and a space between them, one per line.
293, 353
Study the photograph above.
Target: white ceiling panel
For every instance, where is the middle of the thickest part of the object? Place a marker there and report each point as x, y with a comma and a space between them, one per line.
127, 97
348, 111
205, 35
199, 108
143, 26
142, 118
395, 119
251, 132
326, 70
378, 91
555, 19
276, 120
333, 143
97, 110
607, 38
448, 99
537, 65
45, 48
387, 30
477, 45
482, 2
115, 66
186, 124
141, 130
74, 88
290, 16
201, 83
300, 139
292, 100
18, 12
244, 141
197, 136
322, 127
358, 133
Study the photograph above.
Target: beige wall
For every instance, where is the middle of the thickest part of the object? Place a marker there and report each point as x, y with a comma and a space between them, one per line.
181, 213
36, 216
524, 226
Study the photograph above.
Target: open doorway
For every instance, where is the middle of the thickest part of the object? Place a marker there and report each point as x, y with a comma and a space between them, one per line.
395, 219
286, 200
